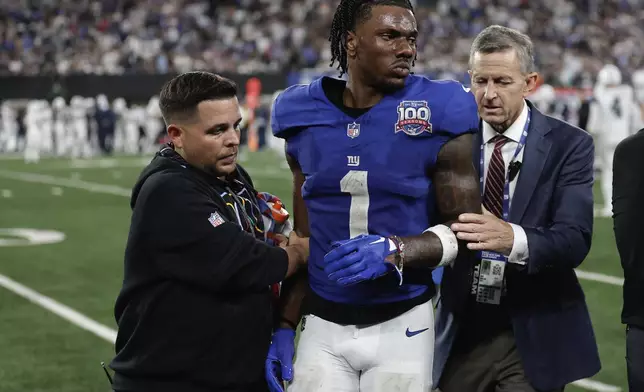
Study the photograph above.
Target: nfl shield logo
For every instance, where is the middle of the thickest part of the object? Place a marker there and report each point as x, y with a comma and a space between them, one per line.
353, 130
413, 118
215, 219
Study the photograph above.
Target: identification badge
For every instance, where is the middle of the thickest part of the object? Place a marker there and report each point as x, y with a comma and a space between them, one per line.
491, 278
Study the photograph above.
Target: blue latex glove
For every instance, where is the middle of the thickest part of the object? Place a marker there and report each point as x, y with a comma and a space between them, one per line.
358, 259
279, 363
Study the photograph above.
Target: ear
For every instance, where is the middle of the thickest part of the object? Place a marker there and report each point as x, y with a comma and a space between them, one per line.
530, 83
176, 135
351, 44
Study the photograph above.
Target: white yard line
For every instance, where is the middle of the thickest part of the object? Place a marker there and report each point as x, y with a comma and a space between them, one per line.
110, 334
596, 386
64, 311
66, 182
597, 277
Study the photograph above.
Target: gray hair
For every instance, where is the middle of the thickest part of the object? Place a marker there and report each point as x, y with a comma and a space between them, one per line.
497, 38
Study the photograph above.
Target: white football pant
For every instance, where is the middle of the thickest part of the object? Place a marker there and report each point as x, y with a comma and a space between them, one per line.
33, 143
394, 356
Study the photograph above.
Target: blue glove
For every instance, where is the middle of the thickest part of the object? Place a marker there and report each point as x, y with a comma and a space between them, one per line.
358, 259
279, 363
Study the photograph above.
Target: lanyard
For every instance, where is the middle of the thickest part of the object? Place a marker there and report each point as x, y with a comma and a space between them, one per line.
506, 187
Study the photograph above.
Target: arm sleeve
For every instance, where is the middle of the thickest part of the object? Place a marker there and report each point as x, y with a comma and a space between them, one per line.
187, 247
566, 241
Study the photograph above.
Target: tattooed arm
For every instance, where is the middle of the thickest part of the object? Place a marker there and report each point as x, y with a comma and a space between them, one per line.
294, 288
457, 192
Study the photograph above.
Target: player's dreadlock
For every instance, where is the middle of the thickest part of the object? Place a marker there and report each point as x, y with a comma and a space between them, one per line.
348, 13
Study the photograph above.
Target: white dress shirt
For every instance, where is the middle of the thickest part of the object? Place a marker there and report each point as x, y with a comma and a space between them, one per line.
519, 253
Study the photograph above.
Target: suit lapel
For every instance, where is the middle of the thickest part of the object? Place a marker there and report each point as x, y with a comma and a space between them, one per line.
536, 152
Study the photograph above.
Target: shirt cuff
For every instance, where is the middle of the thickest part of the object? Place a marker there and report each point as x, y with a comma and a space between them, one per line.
519, 253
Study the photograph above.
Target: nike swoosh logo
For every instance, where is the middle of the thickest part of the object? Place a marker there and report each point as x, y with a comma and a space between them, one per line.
466, 89
414, 333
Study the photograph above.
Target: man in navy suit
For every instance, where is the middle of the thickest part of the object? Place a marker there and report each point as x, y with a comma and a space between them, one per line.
517, 320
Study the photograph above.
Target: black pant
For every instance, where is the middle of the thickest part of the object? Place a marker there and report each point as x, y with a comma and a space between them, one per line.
635, 358
491, 366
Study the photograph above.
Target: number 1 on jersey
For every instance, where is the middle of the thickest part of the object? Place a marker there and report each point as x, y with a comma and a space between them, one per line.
355, 184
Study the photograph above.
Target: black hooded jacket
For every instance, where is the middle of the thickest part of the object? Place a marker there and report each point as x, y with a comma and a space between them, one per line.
195, 312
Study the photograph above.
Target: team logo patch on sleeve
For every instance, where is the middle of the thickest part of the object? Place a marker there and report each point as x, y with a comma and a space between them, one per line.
413, 118
215, 219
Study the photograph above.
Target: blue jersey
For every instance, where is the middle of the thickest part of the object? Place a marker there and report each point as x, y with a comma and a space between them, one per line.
371, 174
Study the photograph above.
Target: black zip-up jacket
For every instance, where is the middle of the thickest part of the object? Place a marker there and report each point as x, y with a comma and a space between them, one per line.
195, 313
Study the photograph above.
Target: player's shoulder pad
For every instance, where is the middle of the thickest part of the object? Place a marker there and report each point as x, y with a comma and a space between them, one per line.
296, 107
456, 112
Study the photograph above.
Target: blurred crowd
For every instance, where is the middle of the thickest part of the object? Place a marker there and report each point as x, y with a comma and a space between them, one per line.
573, 38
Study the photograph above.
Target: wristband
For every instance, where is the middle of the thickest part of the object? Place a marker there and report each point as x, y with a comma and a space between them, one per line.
448, 241
400, 254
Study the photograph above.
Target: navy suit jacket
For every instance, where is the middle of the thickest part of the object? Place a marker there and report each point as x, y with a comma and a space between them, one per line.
553, 202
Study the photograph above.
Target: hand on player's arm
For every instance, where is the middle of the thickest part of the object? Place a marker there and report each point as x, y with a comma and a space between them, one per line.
484, 232
297, 249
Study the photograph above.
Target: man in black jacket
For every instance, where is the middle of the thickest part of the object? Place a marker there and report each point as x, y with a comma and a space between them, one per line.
628, 215
195, 313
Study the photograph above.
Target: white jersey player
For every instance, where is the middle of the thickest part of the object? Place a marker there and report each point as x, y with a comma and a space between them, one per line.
47, 130
61, 126
120, 108
79, 128
137, 118
543, 98
9, 136
611, 120
638, 86
33, 122
152, 126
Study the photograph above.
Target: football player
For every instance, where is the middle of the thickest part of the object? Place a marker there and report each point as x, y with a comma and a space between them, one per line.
105, 119
611, 120
60, 115
33, 122
544, 98
152, 125
9, 127
379, 162
638, 86
79, 135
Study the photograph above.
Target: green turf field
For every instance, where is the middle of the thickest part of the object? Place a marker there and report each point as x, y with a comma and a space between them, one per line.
88, 202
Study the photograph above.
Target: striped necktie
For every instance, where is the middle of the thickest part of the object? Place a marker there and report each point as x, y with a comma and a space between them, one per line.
495, 181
